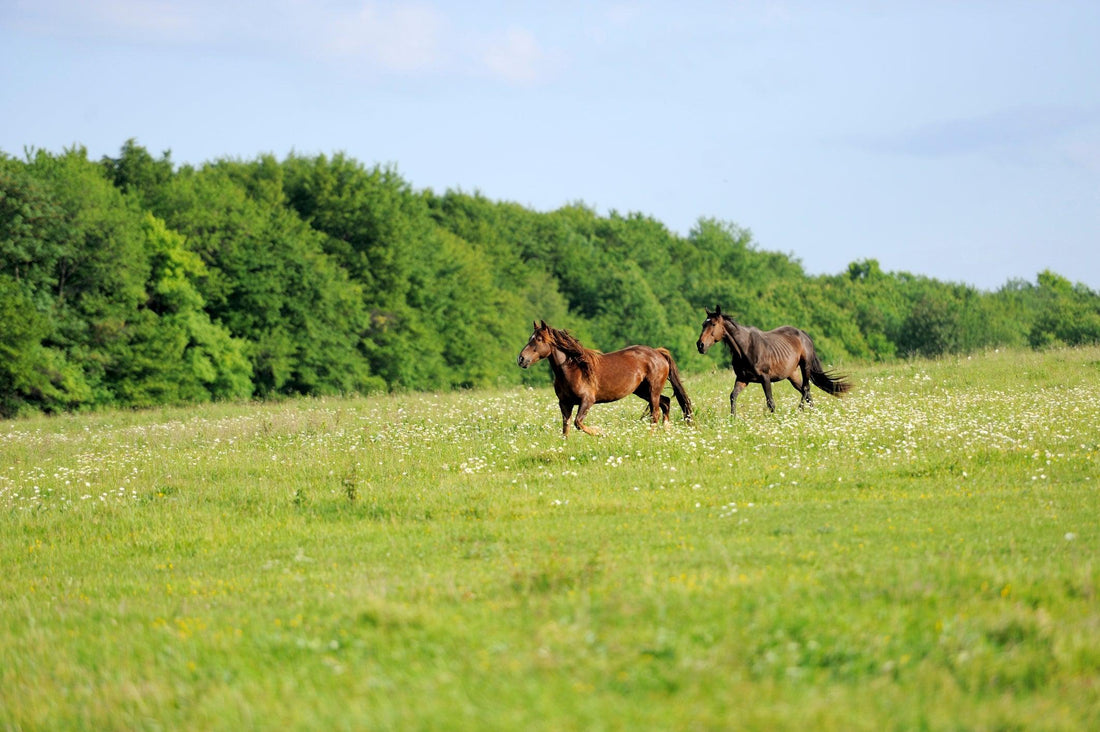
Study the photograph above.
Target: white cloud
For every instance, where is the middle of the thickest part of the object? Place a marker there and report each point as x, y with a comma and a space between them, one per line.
371, 36
402, 38
119, 20
623, 13
1022, 134
159, 18
1083, 151
515, 57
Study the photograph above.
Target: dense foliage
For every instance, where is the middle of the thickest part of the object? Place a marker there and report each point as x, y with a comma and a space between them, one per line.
130, 281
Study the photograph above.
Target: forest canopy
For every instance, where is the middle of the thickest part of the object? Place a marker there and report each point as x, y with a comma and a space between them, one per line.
132, 282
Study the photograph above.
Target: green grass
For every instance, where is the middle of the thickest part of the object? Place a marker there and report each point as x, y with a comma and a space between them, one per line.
920, 555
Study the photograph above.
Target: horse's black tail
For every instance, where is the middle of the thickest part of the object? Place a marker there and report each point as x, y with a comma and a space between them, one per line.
677, 385
828, 381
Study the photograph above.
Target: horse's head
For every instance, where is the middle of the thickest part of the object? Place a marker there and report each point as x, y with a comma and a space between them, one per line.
714, 329
538, 346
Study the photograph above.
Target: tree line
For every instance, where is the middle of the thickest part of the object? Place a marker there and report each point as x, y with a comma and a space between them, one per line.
131, 281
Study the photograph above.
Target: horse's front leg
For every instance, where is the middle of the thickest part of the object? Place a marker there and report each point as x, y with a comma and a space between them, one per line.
767, 384
582, 412
566, 413
733, 396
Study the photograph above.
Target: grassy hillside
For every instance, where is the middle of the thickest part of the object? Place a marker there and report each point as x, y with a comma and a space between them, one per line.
921, 554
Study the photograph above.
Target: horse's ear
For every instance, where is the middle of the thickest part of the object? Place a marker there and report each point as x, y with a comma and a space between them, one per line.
544, 325
709, 313
534, 325
717, 309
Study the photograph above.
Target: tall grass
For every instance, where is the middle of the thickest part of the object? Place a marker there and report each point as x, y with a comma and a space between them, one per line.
919, 555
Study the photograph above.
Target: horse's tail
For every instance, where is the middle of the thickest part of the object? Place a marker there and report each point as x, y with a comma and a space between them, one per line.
828, 381
677, 385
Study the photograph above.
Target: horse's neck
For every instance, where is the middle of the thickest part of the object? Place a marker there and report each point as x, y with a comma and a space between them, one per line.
557, 360
563, 366
738, 338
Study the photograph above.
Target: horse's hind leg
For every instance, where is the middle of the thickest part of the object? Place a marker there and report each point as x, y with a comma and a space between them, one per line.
804, 387
659, 404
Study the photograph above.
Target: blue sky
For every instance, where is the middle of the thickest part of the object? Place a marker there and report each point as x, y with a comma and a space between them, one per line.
958, 140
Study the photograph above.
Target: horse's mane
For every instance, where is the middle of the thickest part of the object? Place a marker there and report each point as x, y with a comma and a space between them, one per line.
728, 324
728, 319
565, 342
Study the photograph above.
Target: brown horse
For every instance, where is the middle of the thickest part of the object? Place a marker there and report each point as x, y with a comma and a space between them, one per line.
583, 376
763, 357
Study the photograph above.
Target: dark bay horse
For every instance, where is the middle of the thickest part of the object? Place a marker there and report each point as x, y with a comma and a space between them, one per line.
761, 357
583, 376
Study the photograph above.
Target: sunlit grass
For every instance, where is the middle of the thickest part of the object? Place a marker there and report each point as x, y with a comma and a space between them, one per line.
920, 554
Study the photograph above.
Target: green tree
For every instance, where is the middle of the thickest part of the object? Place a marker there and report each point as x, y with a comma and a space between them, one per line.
269, 281
33, 235
1067, 314
122, 303
133, 282
32, 376
99, 275
877, 304
175, 352
382, 235
137, 173
469, 319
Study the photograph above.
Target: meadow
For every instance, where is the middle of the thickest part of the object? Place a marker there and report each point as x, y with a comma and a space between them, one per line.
922, 554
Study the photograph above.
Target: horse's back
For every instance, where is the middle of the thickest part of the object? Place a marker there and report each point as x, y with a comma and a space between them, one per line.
777, 352
633, 357
620, 372
788, 332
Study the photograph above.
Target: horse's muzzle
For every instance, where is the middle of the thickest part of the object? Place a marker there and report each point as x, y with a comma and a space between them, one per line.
521, 362
701, 347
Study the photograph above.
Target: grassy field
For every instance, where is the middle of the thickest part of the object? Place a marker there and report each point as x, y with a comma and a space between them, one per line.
924, 554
